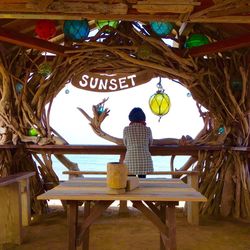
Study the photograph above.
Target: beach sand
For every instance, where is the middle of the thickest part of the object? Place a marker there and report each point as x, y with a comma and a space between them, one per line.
114, 231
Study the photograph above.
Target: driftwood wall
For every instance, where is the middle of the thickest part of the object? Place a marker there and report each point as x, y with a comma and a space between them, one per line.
224, 176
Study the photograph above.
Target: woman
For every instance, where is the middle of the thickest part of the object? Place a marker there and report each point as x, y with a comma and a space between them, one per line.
137, 138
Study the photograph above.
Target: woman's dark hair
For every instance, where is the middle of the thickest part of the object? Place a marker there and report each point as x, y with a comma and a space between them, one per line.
137, 115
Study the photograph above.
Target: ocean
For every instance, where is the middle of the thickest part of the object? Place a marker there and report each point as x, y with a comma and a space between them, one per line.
99, 163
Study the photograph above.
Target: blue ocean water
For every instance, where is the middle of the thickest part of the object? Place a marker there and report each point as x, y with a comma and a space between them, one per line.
99, 163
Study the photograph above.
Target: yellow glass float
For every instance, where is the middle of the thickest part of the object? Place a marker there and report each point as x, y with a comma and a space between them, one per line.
159, 102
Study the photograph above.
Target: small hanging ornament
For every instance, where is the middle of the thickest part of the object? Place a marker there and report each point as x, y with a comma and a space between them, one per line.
144, 51
111, 23
19, 87
76, 30
196, 40
161, 28
45, 69
45, 29
32, 132
159, 102
221, 130
236, 82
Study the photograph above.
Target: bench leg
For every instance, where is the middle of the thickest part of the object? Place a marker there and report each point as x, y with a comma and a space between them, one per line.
10, 214
193, 207
123, 209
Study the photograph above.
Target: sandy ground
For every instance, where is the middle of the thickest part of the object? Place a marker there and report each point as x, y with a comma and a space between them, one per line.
133, 231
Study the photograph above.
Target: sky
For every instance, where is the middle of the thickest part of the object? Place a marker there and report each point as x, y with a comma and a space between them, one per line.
183, 117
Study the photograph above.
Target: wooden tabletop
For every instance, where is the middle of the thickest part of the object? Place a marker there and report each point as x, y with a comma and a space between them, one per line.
154, 189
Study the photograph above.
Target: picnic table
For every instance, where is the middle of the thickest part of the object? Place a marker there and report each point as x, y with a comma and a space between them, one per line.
155, 198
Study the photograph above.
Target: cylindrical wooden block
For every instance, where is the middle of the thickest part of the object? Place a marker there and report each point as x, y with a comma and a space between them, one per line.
117, 175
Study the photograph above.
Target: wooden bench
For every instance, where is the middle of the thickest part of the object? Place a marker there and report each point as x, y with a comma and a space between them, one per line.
14, 206
192, 180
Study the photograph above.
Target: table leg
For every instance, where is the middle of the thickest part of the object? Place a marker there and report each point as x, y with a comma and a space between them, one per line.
85, 243
163, 219
72, 224
171, 221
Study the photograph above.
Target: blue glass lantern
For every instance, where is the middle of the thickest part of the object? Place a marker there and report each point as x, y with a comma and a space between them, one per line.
161, 28
196, 40
76, 30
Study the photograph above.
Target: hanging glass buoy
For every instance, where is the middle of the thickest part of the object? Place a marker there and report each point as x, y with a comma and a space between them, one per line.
159, 102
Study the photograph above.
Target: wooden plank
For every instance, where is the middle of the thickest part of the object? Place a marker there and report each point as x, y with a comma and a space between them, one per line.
25, 201
30, 42
72, 7
176, 173
4, 181
86, 213
10, 214
72, 211
171, 221
144, 8
137, 194
193, 207
221, 46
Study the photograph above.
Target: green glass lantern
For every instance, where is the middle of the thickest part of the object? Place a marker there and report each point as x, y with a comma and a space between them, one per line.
144, 51
159, 102
111, 23
196, 40
32, 132
45, 69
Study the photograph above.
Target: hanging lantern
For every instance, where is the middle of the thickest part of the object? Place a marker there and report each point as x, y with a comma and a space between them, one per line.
76, 30
45, 69
161, 28
111, 23
45, 29
196, 40
144, 51
159, 102
221, 130
19, 87
236, 82
32, 132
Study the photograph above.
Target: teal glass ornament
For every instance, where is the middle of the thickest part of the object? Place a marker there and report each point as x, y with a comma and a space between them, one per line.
76, 30
111, 23
196, 40
19, 87
236, 82
162, 28
221, 130
100, 110
32, 132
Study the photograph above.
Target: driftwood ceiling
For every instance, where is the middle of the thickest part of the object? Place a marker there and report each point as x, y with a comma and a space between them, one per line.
228, 22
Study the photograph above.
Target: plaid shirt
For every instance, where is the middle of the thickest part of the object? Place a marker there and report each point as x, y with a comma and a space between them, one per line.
137, 138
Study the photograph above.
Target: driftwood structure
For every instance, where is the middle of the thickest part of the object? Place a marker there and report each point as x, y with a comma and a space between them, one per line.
33, 71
